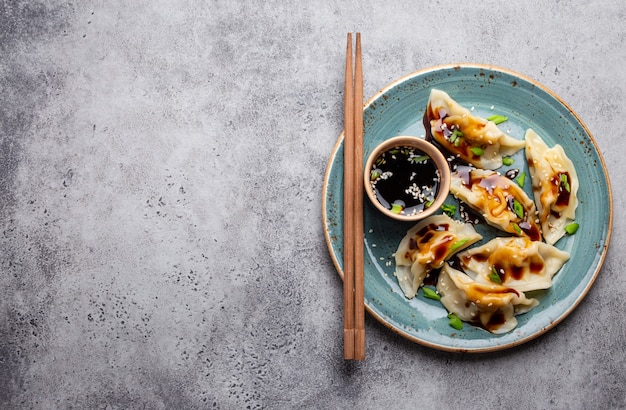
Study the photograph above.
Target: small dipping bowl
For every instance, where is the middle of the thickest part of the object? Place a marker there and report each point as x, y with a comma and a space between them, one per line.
407, 178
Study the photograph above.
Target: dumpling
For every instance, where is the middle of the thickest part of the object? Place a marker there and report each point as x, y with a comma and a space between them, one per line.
474, 139
492, 306
426, 246
555, 185
514, 262
499, 200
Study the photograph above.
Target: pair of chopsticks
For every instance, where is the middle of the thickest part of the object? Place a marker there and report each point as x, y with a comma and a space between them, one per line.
353, 291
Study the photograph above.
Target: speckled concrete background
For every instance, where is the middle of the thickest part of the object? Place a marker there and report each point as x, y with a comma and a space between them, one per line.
161, 175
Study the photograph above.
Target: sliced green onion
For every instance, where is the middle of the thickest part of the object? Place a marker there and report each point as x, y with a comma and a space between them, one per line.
396, 208
494, 277
448, 209
507, 161
477, 151
417, 160
456, 245
429, 203
455, 137
375, 174
564, 182
454, 321
430, 294
497, 119
518, 208
518, 230
521, 178
571, 228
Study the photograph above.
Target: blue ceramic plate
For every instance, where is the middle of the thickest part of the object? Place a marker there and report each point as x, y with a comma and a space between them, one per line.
397, 110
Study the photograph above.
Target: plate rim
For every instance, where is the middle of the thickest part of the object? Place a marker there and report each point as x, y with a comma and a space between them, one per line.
602, 257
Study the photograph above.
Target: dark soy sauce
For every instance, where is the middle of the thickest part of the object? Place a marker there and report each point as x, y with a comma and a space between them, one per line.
405, 180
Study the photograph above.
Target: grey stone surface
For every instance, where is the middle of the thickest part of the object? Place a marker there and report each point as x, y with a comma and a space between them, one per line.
160, 199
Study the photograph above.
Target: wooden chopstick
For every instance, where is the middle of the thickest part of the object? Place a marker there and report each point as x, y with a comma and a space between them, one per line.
354, 314
359, 299
348, 208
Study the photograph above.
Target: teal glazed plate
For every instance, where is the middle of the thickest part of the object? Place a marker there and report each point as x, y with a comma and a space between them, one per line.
398, 110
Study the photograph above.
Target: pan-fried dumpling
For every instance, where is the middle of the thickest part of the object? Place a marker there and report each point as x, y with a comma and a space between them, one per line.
474, 139
426, 246
514, 262
555, 185
491, 306
501, 202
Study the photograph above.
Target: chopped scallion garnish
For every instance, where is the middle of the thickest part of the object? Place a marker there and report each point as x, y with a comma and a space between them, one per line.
518, 208
507, 161
497, 119
396, 208
565, 183
477, 151
448, 209
494, 277
419, 159
521, 178
430, 294
517, 229
456, 245
454, 321
571, 228
455, 137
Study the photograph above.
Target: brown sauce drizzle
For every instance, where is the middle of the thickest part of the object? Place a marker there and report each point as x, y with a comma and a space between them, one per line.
507, 271
536, 265
531, 230
441, 250
424, 235
563, 195
496, 320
